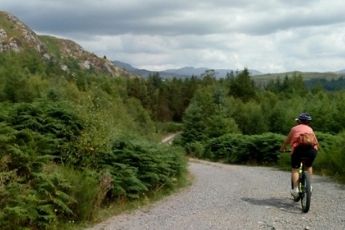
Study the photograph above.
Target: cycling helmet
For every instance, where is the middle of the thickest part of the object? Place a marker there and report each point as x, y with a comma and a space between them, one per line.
304, 117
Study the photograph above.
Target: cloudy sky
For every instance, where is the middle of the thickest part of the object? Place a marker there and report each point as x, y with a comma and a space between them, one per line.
265, 35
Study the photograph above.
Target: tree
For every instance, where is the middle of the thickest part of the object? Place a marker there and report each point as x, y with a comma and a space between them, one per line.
250, 118
242, 86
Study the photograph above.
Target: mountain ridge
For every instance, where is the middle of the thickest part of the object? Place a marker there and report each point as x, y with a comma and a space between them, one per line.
17, 37
189, 71
182, 72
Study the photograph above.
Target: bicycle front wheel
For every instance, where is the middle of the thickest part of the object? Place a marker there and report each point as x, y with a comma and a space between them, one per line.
306, 192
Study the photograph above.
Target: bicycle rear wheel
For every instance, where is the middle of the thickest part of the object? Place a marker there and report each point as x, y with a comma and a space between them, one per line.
305, 192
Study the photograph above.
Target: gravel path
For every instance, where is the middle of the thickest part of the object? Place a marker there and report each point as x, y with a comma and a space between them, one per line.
238, 197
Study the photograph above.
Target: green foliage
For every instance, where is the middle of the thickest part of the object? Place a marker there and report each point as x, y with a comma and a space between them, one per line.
61, 152
244, 149
251, 118
137, 167
266, 148
165, 100
330, 158
195, 149
207, 117
57, 164
85, 189
324, 83
242, 86
219, 124
293, 85
169, 127
32, 135
194, 125
46, 129
38, 203
140, 116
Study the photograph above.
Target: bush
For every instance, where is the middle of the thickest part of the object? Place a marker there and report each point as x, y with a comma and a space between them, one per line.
228, 148
138, 167
195, 149
330, 159
169, 127
244, 149
266, 148
85, 189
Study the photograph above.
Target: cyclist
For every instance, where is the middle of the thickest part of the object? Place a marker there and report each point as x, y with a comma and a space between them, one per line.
298, 151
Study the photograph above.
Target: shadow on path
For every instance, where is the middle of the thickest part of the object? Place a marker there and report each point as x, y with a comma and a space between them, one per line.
283, 204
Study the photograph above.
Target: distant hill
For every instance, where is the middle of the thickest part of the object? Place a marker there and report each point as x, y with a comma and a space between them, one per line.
17, 37
306, 75
131, 69
189, 71
179, 73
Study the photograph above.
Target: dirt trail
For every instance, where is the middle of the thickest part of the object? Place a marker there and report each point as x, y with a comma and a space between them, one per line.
168, 139
238, 197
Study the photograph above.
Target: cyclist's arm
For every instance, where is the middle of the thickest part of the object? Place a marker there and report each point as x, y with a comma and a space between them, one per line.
286, 142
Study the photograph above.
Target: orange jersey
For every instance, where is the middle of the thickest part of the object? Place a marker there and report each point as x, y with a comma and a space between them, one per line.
296, 131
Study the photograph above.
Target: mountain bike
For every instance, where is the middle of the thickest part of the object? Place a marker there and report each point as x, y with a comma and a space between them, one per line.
304, 188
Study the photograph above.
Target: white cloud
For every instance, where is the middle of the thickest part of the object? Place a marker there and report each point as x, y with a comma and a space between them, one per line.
267, 35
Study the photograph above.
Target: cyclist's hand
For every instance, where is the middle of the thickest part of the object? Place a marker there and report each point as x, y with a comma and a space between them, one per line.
285, 150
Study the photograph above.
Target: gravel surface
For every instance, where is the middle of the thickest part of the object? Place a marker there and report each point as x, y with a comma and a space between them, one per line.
238, 197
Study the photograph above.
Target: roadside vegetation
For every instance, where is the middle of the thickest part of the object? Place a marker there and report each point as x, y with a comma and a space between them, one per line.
74, 143
234, 120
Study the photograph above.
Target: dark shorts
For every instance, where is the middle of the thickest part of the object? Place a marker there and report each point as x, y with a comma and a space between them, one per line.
305, 154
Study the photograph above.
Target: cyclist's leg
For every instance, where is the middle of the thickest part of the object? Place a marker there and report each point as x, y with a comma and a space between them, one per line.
309, 156
309, 170
295, 163
294, 177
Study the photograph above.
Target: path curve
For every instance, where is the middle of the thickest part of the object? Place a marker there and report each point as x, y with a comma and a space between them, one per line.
237, 197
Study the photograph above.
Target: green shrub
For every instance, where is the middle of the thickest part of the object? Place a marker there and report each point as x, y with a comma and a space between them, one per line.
169, 127
266, 148
244, 149
231, 148
37, 203
85, 189
138, 167
331, 156
195, 149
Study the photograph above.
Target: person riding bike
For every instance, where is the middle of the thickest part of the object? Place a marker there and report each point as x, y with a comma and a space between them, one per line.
301, 151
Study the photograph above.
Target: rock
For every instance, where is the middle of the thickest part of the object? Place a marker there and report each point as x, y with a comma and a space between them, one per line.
3, 35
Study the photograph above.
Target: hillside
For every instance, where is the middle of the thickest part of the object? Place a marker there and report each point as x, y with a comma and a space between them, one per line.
17, 37
307, 76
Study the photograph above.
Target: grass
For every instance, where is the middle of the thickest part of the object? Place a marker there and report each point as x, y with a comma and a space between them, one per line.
8, 26
52, 44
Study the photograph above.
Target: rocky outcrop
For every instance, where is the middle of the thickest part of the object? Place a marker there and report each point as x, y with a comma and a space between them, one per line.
71, 50
16, 36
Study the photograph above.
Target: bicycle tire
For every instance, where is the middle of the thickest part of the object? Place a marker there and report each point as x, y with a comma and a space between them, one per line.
306, 192
296, 199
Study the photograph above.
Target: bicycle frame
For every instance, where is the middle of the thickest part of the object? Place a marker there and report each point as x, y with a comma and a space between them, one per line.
304, 188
